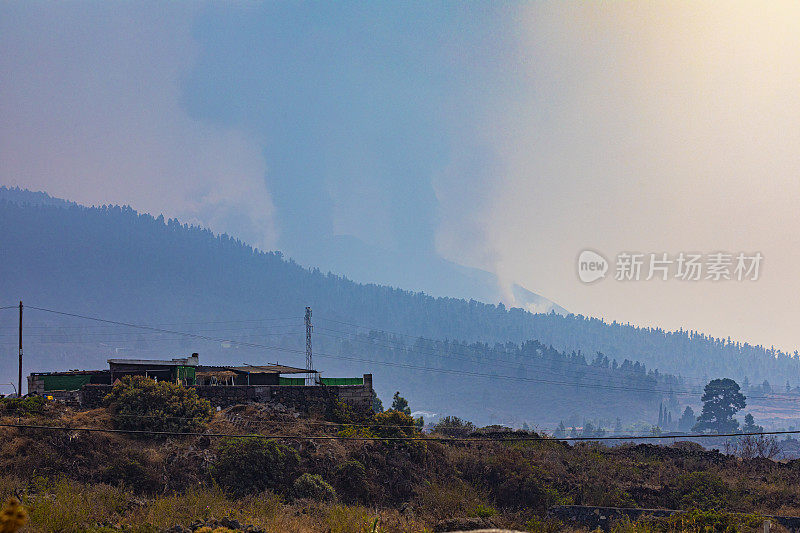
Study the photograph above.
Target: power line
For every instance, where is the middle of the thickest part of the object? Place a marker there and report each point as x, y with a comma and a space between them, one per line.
620, 388
373, 361
739, 355
513, 365
160, 330
255, 421
504, 438
112, 333
700, 381
516, 364
62, 326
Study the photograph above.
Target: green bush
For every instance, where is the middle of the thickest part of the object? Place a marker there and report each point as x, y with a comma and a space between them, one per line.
702, 490
139, 403
351, 480
514, 481
130, 472
544, 525
250, 464
344, 413
485, 511
693, 520
393, 424
30, 405
452, 426
313, 487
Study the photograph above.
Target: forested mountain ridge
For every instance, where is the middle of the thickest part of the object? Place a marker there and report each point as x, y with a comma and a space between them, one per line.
114, 262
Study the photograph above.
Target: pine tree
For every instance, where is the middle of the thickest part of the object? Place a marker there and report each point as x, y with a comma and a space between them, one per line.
687, 419
400, 404
750, 425
721, 400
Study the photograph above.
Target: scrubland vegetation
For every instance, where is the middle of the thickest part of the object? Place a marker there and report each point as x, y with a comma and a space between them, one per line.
75, 480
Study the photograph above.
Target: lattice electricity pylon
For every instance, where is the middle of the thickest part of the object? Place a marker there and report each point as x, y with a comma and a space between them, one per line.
309, 359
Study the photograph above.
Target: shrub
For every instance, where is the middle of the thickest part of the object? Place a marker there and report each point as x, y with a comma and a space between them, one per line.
344, 413
393, 424
544, 525
356, 431
30, 405
132, 473
313, 487
485, 511
528, 489
694, 520
250, 464
452, 426
513, 481
703, 490
351, 479
139, 403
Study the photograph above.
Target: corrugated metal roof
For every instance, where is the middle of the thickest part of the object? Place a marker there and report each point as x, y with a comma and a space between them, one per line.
270, 369
217, 373
149, 362
70, 373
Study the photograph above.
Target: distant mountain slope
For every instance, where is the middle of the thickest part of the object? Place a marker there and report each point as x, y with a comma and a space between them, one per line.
368, 263
435, 276
24, 196
534, 303
113, 262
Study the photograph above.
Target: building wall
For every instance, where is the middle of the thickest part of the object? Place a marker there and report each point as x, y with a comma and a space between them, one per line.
304, 399
162, 372
45, 383
258, 378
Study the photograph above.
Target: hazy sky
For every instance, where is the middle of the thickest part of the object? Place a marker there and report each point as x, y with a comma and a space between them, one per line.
507, 137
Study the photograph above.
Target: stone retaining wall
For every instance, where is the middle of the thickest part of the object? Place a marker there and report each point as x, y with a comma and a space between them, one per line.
72, 398
603, 517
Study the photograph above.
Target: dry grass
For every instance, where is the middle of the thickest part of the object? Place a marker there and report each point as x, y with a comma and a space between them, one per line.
66, 506
90, 481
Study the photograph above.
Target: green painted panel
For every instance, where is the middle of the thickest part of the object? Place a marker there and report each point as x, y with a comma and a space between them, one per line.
66, 382
342, 381
292, 381
187, 373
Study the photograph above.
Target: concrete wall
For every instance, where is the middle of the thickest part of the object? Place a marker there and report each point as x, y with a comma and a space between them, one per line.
305, 399
36, 385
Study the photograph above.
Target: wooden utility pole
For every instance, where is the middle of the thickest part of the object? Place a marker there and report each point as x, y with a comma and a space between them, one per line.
19, 389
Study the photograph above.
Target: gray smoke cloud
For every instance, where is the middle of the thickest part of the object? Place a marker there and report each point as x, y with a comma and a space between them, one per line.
90, 107
655, 127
